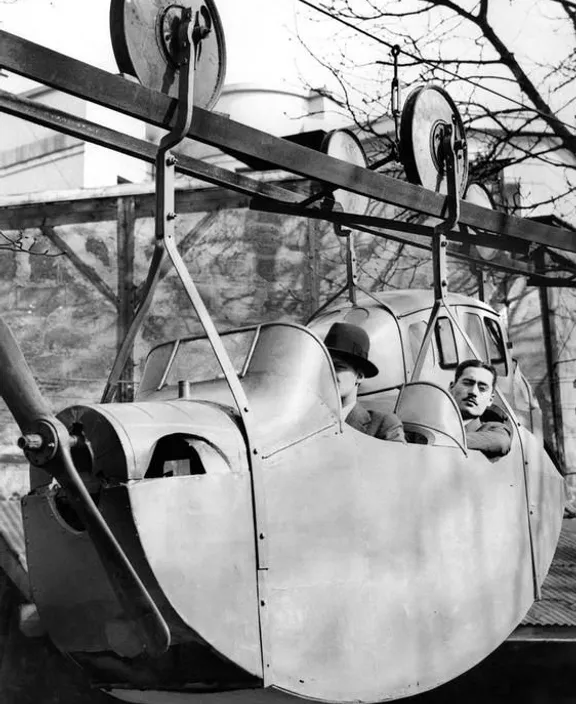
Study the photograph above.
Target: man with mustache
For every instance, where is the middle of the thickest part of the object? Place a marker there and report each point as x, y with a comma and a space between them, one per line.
487, 427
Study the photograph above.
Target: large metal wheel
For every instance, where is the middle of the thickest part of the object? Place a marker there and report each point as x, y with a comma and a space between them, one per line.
143, 34
425, 114
476, 193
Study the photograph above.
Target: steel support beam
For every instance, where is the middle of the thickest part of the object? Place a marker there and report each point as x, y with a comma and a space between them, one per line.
550, 337
125, 247
75, 126
77, 78
543, 634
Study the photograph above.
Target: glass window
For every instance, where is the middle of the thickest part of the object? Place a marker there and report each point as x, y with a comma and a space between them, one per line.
446, 343
193, 360
475, 331
496, 347
416, 333
156, 365
386, 349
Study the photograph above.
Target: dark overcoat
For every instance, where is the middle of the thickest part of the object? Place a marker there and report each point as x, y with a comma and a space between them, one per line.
384, 426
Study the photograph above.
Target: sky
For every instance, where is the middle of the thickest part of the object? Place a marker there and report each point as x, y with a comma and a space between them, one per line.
260, 44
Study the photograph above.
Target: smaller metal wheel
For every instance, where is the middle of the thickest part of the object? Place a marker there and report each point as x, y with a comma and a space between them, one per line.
479, 195
344, 145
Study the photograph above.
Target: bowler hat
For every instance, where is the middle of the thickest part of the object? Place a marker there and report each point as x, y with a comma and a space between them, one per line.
353, 344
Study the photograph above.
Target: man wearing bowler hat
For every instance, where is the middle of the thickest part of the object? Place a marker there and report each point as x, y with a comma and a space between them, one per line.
349, 346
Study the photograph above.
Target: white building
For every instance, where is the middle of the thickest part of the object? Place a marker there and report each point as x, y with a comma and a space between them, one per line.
35, 158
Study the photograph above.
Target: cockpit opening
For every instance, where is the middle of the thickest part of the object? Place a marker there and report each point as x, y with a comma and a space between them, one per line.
185, 455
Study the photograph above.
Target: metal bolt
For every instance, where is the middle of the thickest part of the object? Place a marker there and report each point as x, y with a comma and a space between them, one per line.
32, 441
184, 389
171, 160
170, 216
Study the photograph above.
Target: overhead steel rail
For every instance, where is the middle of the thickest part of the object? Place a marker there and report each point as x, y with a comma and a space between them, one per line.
279, 199
77, 78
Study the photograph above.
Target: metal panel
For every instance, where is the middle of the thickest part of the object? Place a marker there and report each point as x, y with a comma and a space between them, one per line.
204, 559
545, 488
367, 603
124, 435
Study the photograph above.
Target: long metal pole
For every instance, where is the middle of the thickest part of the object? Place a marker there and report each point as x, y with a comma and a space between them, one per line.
548, 317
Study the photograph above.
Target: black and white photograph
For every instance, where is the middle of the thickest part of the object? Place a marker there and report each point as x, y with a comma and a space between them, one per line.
287, 351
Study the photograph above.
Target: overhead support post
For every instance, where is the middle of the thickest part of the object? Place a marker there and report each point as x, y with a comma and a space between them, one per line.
125, 266
439, 246
548, 317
